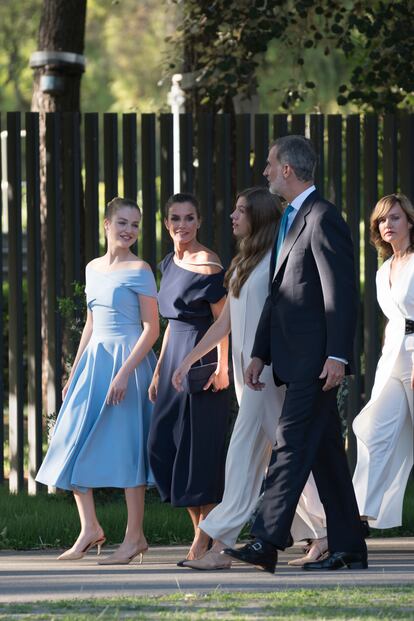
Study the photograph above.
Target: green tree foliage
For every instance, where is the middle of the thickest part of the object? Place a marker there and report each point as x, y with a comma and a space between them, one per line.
19, 23
223, 43
124, 51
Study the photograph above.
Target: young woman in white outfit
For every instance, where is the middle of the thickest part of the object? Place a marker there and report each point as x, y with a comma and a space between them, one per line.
384, 428
254, 224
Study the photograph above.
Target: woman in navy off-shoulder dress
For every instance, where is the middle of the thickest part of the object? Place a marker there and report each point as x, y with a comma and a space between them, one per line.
188, 431
101, 432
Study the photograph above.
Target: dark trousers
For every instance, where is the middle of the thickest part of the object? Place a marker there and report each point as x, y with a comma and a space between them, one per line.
308, 440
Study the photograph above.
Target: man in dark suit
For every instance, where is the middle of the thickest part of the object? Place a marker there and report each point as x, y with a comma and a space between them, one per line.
306, 332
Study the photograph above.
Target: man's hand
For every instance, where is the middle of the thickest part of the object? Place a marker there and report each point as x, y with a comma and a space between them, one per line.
252, 374
334, 371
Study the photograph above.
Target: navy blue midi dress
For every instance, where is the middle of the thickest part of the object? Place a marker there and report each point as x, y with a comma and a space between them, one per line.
187, 438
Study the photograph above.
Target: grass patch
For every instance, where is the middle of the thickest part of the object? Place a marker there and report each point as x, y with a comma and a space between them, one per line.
366, 603
51, 520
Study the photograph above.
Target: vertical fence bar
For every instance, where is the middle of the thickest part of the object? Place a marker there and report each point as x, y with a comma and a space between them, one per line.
54, 258
91, 186
243, 147
186, 152
224, 237
406, 167
130, 160
389, 154
261, 147
16, 326
371, 323
2, 335
334, 187
130, 155
149, 196
280, 125
298, 124
316, 122
71, 197
353, 217
167, 174
110, 155
34, 337
205, 128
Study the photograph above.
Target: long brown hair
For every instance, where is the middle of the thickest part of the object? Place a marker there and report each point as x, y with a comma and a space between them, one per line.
380, 210
263, 211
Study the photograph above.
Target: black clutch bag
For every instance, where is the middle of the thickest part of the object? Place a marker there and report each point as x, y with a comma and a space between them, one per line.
198, 376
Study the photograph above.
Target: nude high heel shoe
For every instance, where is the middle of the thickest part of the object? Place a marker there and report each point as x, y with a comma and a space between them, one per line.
113, 559
316, 551
75, 556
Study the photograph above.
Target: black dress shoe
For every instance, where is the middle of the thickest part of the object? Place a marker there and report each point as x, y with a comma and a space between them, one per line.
259, 553
339, 560
366, 531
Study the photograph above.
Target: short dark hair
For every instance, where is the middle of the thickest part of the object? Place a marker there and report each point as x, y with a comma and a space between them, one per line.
183, 197
299, 153
118, 203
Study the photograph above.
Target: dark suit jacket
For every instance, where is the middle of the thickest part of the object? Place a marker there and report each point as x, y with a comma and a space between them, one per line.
311, 309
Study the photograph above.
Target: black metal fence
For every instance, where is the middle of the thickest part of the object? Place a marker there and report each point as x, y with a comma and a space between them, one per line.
360, 158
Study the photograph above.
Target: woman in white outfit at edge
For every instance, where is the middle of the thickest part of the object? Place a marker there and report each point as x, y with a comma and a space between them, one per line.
254, 221
384, 428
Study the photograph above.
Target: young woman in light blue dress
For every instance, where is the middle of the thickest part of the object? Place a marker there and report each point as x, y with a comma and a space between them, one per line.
101, 432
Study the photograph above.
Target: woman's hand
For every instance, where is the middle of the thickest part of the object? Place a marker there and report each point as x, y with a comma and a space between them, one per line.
153, 387
118, 388
219, 380
179, 376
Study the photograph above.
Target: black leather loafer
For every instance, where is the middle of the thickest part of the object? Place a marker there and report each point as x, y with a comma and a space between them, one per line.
259, 553
339, 560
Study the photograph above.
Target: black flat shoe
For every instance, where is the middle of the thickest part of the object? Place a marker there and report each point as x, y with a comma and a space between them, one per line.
260, 554
339, 560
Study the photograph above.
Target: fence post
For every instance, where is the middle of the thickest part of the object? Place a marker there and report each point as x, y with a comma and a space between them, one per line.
205, 175
91, 186
186, 152
261, 147
2, 434
71, 197
243, 147
280, 126
110, 155
298, 124
371, 322
167, 174
389, 154
353, 217
149, 197
316, 122
16, 326
54, 259
34, 337
406, 127
334, 185
224, 198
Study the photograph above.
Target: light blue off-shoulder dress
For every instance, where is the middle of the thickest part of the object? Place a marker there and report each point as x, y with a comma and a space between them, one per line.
94, 444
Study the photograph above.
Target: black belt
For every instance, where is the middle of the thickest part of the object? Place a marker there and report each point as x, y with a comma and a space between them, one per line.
409, 326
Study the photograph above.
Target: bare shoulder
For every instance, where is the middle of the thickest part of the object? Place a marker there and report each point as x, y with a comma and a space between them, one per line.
139, 264
205, 257
95, 263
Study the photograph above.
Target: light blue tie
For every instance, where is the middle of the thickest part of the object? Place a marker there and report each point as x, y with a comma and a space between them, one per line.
283, 229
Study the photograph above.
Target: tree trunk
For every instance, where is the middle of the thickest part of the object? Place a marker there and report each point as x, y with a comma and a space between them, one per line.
62, 29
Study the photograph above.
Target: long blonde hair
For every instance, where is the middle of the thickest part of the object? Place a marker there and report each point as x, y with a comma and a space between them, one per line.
380, 210
263, 212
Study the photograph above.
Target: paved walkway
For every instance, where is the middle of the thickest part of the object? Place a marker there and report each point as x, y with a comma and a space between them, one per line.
36, 575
